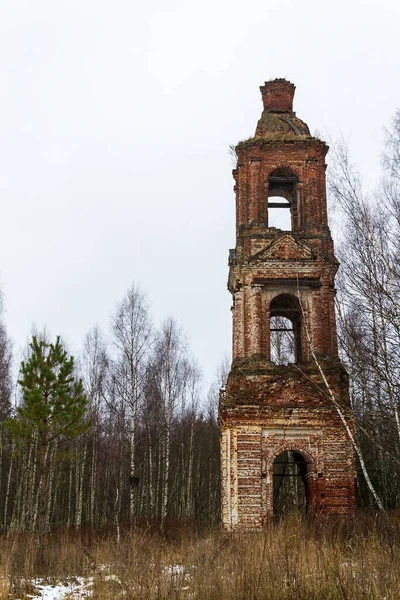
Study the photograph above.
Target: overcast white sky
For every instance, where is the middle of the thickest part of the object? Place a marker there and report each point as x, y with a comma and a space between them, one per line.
115, 122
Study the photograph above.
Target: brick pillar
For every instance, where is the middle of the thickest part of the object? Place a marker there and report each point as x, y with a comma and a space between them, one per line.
256, 309
234, 341
226, 476
265, 325
297, 211
312, 206
234, 488
306, 321
331, 304
255, 165
322, 191
316, 325
238, 330
246, 320
242, 196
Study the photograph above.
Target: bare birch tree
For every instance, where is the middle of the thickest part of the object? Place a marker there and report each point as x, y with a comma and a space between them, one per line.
171, 372
368, 310
94, 366
132, 337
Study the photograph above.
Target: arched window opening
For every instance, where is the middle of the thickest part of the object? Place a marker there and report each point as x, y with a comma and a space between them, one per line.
282, 199
279, 214
285, 330
290, 483
283, 351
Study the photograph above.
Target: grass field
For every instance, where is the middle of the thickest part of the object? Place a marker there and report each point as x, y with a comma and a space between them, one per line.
296, 559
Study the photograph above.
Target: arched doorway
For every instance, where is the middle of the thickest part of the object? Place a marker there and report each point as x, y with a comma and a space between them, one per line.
290, 491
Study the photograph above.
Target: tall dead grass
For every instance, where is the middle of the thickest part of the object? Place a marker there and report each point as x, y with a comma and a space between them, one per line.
297, 558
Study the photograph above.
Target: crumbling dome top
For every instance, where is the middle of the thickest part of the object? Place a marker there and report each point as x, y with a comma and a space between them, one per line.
278, 121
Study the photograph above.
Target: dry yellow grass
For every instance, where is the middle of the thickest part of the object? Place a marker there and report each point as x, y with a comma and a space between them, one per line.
298, 559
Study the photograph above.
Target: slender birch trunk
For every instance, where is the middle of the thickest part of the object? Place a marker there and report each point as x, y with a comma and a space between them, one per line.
70, 518
80, 487
8, 487
132, 444
189, 495
51, 471
167, 450
43, 452
93, 479
151, 479
116, 515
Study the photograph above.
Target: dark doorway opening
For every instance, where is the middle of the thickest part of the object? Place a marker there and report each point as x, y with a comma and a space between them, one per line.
290, 483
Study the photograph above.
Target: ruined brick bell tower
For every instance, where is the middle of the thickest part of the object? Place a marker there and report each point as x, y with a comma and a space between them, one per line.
283, 445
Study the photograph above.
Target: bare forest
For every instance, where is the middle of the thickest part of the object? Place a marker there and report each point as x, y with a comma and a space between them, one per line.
126, 433
147, 445
368, 311
150, 445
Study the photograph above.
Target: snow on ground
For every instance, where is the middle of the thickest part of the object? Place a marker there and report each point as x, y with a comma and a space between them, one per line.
76, 588
79, 588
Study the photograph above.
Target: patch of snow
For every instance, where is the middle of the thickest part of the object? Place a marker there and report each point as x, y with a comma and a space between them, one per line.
112, 578
174, 570
77, 588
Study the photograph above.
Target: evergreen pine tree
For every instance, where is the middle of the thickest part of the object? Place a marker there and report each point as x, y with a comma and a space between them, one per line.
53, 407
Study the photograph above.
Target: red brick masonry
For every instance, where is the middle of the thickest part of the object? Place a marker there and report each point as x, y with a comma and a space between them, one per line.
267, 408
